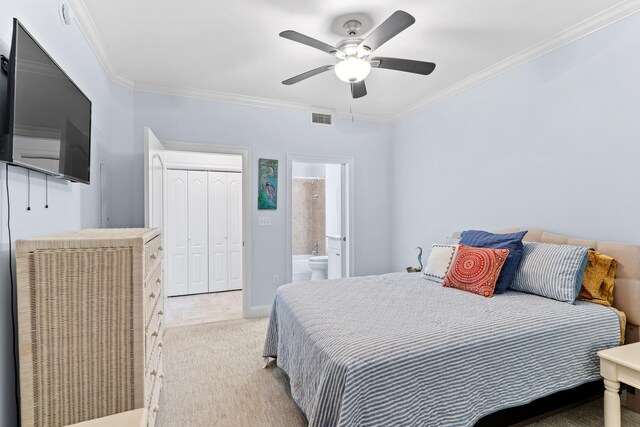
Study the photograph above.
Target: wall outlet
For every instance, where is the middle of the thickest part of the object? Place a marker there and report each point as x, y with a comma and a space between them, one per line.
275, 280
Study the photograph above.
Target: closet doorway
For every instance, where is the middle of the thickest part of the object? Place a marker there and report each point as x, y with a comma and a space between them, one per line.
198, 194
204, 230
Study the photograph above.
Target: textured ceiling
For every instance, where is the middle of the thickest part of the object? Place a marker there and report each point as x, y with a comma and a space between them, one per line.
231, 49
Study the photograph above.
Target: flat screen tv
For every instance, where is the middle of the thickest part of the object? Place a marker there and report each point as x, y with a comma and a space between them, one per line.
49, 123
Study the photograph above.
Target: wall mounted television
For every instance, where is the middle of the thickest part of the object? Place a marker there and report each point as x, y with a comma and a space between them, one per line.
49, 117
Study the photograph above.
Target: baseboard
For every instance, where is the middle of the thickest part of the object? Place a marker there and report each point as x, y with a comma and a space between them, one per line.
258, 311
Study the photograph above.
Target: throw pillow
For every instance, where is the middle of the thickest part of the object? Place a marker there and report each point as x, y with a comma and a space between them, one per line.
439, 262
511, 241
598, 280
476, 269
552, 271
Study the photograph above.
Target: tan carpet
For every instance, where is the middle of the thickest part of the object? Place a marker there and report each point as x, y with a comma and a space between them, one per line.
214, 377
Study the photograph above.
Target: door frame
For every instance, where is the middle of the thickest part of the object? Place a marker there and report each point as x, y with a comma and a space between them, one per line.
348, 208
248, 310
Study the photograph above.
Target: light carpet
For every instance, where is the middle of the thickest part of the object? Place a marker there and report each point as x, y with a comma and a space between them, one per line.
214, 377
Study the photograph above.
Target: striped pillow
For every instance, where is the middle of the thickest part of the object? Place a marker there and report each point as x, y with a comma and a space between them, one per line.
552, 271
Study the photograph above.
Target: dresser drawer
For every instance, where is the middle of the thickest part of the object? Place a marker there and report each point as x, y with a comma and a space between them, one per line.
154, 402
152, 254
155, 364
153, 296
155, 381
154, 278
153, 335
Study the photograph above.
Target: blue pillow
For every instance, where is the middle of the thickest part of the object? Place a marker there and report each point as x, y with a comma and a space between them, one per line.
552, 271
511, 241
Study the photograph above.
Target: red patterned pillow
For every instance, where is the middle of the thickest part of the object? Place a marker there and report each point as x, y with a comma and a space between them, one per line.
476, 269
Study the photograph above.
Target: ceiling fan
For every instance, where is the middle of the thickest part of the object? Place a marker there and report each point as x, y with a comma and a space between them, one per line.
354, 53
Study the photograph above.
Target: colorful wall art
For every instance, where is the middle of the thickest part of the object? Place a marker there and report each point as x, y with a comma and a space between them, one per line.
267, 184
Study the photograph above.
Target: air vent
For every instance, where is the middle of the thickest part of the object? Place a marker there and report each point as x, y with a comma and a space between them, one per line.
321, 119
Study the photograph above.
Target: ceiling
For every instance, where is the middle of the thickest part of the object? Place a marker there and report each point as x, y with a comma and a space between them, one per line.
230, 49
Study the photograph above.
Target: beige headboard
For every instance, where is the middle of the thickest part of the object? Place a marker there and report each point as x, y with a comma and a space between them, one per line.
626, 293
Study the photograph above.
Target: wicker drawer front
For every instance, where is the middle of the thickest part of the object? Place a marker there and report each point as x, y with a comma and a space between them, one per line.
154, 278
155, 364
153, 295
152, 334
154, 404
152, 357
154, 401
152, 254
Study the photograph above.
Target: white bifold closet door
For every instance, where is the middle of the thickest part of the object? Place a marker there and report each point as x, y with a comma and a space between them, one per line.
177, 233
198, 226
204, 231
187, 232
225, 231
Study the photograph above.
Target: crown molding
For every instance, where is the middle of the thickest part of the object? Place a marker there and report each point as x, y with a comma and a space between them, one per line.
88, 28
254, 101
586, 27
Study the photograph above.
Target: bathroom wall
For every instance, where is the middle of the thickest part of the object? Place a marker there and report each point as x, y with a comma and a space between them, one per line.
333, 181
308, 170
308, 215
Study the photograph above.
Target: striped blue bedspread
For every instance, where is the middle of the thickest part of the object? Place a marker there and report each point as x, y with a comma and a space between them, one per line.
399, 350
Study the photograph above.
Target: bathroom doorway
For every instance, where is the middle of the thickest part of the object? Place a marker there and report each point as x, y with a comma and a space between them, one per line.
318, 218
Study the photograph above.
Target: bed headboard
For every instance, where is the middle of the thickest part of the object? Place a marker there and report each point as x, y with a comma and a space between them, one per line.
626, 293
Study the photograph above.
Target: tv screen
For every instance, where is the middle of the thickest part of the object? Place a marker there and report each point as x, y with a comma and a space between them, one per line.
49, 117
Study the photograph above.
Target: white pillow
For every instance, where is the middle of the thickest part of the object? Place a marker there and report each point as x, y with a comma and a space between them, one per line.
439, 262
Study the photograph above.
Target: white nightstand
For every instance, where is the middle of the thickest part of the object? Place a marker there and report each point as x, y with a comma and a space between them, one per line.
618, 364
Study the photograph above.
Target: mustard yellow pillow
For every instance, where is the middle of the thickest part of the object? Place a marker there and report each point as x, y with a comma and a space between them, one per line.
598, 280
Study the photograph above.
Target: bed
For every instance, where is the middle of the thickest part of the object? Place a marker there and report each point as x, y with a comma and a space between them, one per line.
399, 350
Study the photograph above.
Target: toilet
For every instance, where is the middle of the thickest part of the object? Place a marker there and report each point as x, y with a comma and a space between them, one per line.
318, 266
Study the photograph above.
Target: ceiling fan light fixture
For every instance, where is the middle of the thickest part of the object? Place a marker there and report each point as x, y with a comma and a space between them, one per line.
352, 69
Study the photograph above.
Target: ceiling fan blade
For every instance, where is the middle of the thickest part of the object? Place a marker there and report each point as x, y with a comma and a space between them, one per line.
358, 90
309, 41
394, 25
308, 74
407, 65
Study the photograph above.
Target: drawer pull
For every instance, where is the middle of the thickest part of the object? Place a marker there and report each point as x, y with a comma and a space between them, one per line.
160, 248
153, 256
154, 372
160, 344
156, 409
160, 313
161, 376
152, 295
158, 280
154, 333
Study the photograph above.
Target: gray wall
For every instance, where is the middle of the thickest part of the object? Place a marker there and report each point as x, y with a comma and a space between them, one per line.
71, 206
271, 134
554, 143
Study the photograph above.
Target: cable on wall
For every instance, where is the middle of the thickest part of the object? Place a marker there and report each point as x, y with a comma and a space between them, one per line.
13, 305
46, 191
28, 189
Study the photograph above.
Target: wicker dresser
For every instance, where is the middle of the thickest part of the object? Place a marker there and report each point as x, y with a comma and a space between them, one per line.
90, 309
